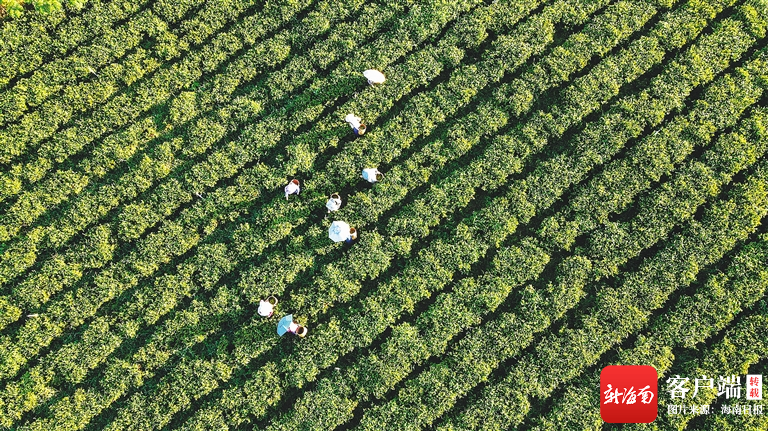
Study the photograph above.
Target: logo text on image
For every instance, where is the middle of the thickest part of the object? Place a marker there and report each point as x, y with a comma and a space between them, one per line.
754, 387
629, 394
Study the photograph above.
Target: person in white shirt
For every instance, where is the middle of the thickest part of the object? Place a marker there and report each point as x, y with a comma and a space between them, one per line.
356, 124
267, 307
297, 329
292, 188
334, 202
372, 175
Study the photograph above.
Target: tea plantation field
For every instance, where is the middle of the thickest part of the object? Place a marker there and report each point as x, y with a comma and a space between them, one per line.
567, 184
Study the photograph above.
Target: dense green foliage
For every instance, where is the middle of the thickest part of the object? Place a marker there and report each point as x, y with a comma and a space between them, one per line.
568, 184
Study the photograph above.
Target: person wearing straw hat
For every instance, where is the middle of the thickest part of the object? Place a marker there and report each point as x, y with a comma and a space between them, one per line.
356, 124
374, 76
334, 202
292, 188
267, 308
341, 231
372, 175
286, 324
352, 236
300, 330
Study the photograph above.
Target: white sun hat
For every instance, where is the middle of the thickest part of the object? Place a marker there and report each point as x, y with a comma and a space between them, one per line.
374, 76
372, 175
339, 231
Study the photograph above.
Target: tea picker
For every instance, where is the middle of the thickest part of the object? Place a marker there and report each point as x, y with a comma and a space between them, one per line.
292, 188
286, 324
341, 231
355, 122
334, 202
374, 76
372, 175
267, 308
352, 236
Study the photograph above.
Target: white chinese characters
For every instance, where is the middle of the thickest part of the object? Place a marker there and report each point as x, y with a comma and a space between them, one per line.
629, 396
728, 386
676, 386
